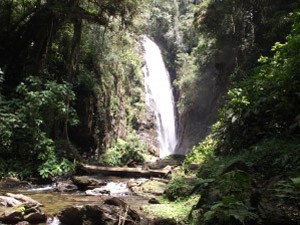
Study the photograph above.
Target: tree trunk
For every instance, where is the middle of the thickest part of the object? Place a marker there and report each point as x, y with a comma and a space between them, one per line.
31, 40
75, 49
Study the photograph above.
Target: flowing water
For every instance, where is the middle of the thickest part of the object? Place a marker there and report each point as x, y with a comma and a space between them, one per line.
54, 202
159, 96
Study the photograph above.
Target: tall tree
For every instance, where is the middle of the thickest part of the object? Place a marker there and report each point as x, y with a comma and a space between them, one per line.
32, 25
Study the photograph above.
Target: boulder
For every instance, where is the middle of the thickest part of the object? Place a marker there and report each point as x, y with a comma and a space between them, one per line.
84, 182
23, 223
72, 215
113, 211
99, 215
12, 182
116, 202
11, 216
150, 188
9, 201
171, 161
66, 186
97, 192
136, 182
35, 217
12, 200
24, 212
153, 150
23, 198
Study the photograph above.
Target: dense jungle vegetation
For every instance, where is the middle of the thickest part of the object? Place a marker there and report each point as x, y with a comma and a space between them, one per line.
236, 68
69, 82
71, 86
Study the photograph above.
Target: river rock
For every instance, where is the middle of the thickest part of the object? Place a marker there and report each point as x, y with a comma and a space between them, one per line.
66, 186
150, 188
9, 201
12, 182
11, 216
153, 150
85, 182
72, 215
133, 215
23, 198
24, 212
116, 202
136, 182
113, 212
23, 223
172, 161
97, 192
35, 217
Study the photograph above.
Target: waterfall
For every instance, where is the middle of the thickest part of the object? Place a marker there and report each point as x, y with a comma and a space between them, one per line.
159, 97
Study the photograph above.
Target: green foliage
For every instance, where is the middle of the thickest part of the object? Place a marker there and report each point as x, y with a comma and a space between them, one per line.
287, 190
227, 211
231, 194
54, 167
110, 76
194, 52
98, 59
14, 168
256, 137
178, 188
200, 152
25, 119
267, 158
226, 199
125, 152
162, 15
265, 104
228, 37
115, 85
178, 210
275, 156
186, 76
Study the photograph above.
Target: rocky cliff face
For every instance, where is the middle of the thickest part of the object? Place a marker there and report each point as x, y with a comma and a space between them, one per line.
194, 122
146, 130
114, 107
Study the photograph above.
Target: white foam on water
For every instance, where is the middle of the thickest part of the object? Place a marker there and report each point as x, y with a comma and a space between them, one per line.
159, 96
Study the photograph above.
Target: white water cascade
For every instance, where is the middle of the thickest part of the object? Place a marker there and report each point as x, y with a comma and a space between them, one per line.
159, 96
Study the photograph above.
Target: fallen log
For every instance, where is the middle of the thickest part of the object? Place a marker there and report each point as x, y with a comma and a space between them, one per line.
123, 171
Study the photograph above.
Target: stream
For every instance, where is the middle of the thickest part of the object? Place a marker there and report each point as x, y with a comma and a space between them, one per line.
54, 202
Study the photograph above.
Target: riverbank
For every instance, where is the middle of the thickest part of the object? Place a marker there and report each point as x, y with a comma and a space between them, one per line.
137, 193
